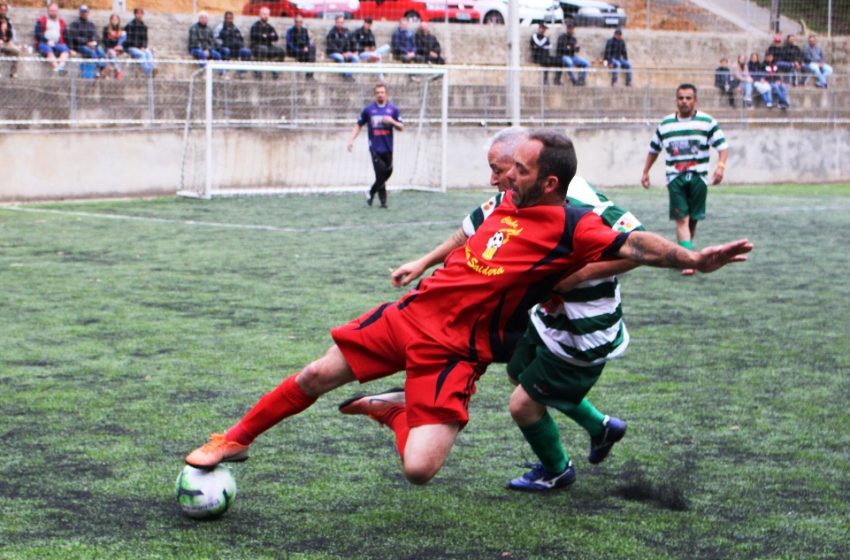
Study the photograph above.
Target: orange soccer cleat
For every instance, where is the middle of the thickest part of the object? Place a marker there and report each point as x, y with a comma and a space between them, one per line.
217, 450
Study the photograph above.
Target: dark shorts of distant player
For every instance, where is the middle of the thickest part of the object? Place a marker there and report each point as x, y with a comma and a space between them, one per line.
438, 386
547, 378
688, 192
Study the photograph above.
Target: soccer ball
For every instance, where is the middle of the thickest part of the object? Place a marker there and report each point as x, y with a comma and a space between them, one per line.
205, 494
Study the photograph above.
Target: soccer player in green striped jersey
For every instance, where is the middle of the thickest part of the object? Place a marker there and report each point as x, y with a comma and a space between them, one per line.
686, 137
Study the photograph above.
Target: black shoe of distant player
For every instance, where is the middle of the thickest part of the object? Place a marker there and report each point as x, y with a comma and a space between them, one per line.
373, 406
369, 198
384, 206
613, 430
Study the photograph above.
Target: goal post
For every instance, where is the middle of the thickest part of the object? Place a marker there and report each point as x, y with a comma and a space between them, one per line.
266, 128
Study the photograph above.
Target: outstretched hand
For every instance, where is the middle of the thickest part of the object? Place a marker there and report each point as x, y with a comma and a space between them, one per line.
718, 256
406, 273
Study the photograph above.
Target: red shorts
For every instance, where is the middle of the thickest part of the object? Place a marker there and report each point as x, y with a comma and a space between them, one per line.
439, 384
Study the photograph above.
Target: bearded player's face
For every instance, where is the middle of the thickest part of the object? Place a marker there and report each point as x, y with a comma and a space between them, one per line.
523, 177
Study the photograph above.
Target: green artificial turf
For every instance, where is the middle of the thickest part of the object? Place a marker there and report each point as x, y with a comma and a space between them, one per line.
130, 330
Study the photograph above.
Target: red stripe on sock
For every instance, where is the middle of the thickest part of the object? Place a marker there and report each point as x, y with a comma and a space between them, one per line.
287, 399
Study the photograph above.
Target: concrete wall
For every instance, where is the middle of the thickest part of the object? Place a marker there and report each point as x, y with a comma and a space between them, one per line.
84, 164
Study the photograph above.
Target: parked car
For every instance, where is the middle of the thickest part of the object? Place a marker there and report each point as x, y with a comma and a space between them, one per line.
308, 8
418, 10
593, 13
495, 12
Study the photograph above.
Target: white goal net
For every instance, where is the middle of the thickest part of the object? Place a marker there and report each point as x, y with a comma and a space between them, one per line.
283, 128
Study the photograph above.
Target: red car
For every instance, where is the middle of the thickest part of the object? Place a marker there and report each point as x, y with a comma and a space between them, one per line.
417, 10
307, 8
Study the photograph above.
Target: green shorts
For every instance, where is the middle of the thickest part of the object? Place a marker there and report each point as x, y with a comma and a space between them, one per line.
687, 192
547, 378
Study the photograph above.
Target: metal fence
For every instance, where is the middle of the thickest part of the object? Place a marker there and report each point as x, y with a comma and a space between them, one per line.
41, 98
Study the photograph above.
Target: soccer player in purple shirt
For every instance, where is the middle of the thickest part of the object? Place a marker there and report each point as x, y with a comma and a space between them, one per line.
382, 119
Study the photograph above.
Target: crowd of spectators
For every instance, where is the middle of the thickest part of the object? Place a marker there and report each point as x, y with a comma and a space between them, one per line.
783, 65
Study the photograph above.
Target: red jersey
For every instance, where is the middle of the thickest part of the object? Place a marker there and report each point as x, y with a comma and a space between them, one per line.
477, 305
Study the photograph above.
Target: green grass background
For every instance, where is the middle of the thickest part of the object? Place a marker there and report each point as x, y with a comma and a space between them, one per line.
125, 342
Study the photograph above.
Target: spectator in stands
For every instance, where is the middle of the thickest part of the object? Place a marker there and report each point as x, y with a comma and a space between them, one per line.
82, 35
230, 41
724, 81
567, 50
616, 57
365, 45
815, 62
791, 61
427, 46
51, 38
113, 39
403, 44
298, 43
541, 53
741, 74
777, 50
202, 40
774, 78
263, 39
760, 83
340, 47
8, 46
136, 43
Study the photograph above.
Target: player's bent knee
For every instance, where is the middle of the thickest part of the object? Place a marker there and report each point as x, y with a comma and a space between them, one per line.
325, 374
419, 472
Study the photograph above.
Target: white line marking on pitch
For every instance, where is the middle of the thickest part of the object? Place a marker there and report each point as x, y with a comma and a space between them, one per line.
224, 225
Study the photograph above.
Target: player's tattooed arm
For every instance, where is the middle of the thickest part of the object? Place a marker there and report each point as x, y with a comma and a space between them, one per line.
653, 250
408, 272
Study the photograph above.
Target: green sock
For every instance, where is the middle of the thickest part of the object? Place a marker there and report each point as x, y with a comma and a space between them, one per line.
586, 416
687, 244
545, 441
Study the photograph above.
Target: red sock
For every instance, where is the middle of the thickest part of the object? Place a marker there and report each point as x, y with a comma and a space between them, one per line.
287, 399
395, 419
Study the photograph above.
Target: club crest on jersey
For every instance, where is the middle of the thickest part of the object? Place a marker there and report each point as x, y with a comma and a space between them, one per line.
501, 237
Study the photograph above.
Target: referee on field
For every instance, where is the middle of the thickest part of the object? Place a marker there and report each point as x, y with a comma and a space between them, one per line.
382, 119
686, 137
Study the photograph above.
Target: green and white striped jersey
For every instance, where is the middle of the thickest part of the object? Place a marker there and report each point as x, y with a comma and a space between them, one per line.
584, 326
686, 142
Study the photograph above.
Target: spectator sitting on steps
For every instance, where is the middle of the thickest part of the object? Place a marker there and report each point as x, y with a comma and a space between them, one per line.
403, 43
567, 51
616, 57
263, 39
340, 47
83, 38
230, 42
202, 40
8, 46
298, 43
815, 62
136, 43
724, 81
51, 38
427, 46
741, 74
365, 45
113, 39
541, 53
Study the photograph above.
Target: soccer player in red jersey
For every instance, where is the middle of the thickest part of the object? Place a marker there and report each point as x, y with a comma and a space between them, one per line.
446, 331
